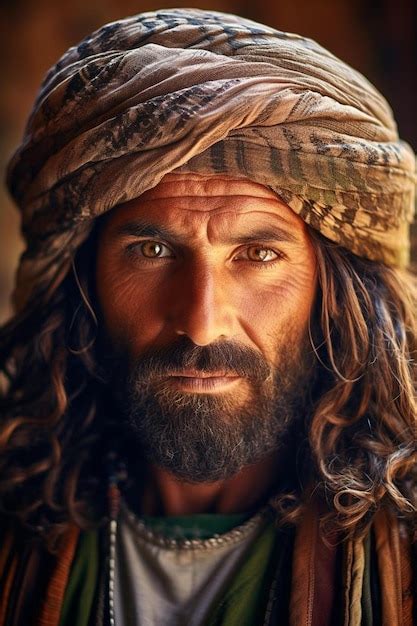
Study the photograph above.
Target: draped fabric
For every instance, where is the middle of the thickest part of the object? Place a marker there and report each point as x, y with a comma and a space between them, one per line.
372, 584
210, 93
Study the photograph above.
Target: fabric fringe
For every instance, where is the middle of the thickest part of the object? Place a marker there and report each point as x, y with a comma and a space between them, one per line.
8, 567
354, 575
406, 578
52, 603
387, 540
314, 576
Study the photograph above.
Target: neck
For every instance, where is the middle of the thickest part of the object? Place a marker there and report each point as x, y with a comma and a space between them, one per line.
164, 494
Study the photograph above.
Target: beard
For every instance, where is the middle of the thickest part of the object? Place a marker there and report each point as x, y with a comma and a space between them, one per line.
206, 437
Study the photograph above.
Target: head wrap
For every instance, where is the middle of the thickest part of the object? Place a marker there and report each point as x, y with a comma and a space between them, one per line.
206, 92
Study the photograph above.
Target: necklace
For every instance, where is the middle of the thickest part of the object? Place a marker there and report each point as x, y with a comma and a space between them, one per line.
217, 541
117, 476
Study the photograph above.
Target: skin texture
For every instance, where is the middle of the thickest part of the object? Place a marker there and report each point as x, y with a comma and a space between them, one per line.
237, 265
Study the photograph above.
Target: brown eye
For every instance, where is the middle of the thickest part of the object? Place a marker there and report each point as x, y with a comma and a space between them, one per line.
257, 253
153, 249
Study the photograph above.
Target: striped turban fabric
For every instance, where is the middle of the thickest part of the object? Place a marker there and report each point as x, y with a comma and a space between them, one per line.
208, 93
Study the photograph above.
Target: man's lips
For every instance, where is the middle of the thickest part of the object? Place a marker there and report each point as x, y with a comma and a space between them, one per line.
201, 382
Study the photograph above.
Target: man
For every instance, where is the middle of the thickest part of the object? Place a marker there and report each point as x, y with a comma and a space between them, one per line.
209, 406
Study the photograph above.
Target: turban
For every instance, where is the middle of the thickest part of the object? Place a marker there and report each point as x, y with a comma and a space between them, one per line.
208, 93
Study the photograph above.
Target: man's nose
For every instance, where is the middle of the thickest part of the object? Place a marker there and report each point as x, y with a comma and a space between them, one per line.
203, 309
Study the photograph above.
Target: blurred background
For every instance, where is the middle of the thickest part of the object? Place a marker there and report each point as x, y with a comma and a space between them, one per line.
377, 37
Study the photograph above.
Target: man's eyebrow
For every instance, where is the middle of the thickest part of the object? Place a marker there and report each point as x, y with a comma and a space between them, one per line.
146, 229
265, 233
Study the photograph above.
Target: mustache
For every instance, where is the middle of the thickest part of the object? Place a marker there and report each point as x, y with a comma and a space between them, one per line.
229, 357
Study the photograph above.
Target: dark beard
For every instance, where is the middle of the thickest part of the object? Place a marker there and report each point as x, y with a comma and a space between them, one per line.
209, 437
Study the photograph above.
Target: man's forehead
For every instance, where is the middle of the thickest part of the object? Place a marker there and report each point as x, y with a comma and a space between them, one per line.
176, 185
182, 196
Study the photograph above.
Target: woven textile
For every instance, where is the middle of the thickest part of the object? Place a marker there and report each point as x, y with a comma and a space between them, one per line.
209, 93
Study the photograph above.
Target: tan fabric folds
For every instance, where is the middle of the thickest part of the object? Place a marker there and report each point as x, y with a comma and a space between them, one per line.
207, 92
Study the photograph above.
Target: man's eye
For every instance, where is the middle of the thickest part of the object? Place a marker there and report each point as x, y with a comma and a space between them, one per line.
153, 250
259, 253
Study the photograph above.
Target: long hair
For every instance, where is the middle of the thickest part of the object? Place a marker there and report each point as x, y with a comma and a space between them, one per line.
361, 438
359, 452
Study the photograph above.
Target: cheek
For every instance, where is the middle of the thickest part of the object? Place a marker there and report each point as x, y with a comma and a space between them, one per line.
276, 307
290, 294
129, 311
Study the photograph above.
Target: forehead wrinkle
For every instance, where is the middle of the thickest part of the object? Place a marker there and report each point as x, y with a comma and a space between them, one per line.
168, 214
212, 228
176, 185
267, 225
235, 202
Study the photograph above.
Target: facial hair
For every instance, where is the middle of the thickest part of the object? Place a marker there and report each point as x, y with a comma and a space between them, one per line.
203, 438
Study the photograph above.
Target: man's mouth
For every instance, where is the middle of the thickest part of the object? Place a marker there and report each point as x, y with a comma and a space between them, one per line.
198, 381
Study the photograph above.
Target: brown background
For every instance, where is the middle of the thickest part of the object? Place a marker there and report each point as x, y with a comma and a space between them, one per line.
377, 37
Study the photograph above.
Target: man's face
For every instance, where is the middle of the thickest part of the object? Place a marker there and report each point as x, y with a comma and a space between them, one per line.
206, 287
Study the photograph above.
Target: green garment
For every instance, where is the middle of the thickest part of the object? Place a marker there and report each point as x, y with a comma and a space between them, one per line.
201, 526
82, 585
244, 602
